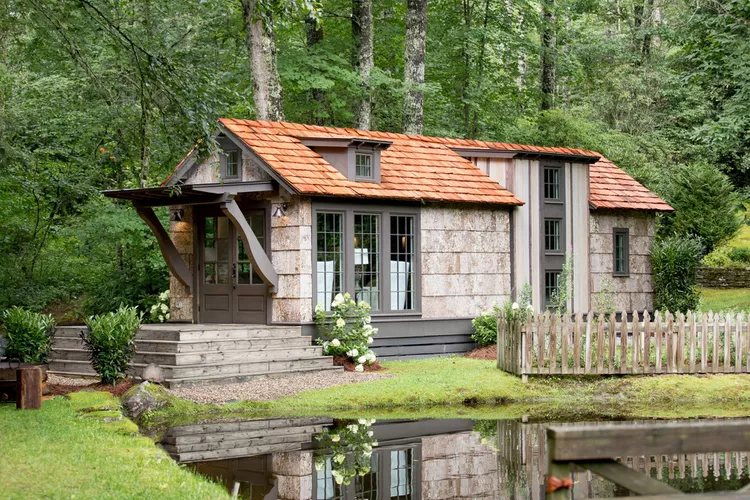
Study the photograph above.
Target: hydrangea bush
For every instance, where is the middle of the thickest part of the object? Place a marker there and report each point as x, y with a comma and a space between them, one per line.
346, 449
346, 330
160, 310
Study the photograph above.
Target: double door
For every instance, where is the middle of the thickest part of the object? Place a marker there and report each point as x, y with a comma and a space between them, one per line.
230, 289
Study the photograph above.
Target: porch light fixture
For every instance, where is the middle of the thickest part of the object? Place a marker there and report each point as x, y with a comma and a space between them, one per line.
176, 214
279, 210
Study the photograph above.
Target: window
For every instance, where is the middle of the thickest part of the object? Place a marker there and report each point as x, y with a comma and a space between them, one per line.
232, 170
367, 259
216, 251
401, 472
329, 257
363, 165
552, 235
621, 252
246, 275
551, 183
374, 256
551, 280
402, 262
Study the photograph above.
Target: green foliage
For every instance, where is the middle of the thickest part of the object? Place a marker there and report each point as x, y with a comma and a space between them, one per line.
346, 330
706, 205
485, 325
674, 261
741, 255
28, 335
110, 341
159, 312
604, 300
346, 449
564, 292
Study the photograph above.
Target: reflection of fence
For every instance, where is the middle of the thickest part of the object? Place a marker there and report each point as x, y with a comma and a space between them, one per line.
522, 457
558, 345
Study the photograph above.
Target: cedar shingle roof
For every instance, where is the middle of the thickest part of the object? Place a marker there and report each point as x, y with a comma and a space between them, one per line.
421, 168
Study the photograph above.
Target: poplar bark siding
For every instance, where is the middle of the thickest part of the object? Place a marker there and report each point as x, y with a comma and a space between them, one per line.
636, 290
465, 260
181, 299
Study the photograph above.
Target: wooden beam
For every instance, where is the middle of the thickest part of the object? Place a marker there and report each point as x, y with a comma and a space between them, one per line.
260, 261
637, 482
608, 441
174, 261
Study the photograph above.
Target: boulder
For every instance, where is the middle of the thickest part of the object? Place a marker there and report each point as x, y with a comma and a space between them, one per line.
143, 398
153, 373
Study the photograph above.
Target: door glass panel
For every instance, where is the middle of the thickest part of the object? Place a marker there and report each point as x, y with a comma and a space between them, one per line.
246, 275
216, 250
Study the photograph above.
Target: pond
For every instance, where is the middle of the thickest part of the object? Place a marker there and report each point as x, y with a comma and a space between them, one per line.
324, 458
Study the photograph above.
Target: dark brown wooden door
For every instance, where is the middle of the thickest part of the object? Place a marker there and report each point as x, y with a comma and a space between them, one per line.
230, 290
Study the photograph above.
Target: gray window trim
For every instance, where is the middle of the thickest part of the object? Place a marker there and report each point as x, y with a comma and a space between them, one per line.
625, 233
352, 153
223, 155
372, 166
385, 212
560, 184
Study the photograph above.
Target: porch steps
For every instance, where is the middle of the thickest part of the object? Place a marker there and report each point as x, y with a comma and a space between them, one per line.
200, 354
239, 439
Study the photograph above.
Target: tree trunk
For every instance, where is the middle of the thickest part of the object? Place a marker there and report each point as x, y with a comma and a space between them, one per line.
549, 54
647, 26
314, 35
261, 48
416, 42
362, 31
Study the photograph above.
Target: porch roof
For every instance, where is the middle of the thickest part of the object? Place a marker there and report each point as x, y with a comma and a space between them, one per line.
189, 194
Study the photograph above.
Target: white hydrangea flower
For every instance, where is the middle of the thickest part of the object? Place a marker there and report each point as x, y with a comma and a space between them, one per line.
372, 421
335, 342
340, 323
337, 300
335, 438
368, 327
362, 421
319, 308
166, 316
348, 354
515, 306
368, 319
354, 353
530, 308
362, 359
161, 318
370, 433
359, 368
369, 340
339, 458
320, 466
353, 427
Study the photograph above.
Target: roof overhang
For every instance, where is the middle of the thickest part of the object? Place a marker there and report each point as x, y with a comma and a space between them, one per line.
190, 194
483, 153
572, 158
344, 142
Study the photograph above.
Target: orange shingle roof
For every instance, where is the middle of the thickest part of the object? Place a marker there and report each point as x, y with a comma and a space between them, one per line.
422, 168
412, 168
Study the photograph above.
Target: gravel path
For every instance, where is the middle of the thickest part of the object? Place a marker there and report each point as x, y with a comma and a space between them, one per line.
266, 389
72, 381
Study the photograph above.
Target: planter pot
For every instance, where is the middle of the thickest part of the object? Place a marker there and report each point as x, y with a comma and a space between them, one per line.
8, 377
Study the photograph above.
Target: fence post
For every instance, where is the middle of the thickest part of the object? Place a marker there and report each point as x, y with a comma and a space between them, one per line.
500, 343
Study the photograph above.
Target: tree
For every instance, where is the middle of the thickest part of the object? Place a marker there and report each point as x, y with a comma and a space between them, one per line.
414, 61
314, 35
261, 48
674, 264
362, 31
548, 55
706, 205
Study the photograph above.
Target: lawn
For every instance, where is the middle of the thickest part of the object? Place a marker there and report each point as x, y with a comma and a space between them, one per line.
461, 387
742, 238
61, 451
725, 299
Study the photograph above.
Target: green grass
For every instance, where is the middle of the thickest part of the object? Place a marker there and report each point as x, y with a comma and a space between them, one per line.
66, 451
725, 299
459, 387
742, 238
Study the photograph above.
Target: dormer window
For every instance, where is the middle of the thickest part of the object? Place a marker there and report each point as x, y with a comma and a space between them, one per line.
363, 165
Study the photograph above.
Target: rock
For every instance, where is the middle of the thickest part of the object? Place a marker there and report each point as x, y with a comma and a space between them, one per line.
153, 373
143, 398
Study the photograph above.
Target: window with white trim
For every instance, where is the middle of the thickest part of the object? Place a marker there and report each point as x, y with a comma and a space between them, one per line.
363, 165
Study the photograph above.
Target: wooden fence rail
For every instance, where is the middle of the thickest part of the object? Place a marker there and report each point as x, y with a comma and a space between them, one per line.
550, 344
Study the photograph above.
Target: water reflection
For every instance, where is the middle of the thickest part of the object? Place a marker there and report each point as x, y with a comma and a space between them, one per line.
323, 458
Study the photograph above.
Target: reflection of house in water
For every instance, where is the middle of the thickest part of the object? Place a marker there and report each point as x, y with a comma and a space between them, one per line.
275, 459
302, 458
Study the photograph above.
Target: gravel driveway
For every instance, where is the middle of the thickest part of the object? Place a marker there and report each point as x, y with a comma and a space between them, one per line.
266, 389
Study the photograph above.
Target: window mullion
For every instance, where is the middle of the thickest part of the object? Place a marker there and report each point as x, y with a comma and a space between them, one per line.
385, 261
349, 252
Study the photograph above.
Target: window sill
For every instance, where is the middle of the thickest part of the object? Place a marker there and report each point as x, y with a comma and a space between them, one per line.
620, 275
553, 201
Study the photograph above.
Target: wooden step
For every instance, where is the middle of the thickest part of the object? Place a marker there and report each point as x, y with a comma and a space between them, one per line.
232, 368
217, 332
253, 424
205, 456
293, 435
212, 357
236, 436
177, 346
235, 379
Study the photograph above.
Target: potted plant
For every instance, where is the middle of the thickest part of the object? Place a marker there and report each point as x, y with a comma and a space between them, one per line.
28, 337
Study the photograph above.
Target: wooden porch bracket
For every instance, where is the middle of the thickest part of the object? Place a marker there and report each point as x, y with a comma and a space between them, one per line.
260, 261
174, 260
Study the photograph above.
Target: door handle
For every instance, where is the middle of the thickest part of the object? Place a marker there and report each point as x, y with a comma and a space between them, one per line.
234, 275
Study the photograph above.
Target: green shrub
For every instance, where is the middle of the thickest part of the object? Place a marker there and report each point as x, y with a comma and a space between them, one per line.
346, 330
485, 325
706, 205
720, 257
28, 335
110, 341
674, 263
740, 255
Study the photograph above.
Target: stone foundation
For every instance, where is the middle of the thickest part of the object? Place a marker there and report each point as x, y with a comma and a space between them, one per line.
634, 292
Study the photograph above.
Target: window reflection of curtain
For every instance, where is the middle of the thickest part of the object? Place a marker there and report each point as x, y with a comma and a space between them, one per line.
326, 273
400, 468
399, 284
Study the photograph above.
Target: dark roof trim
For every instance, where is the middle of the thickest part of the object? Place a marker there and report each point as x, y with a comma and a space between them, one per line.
344, 142
482, 153
573, 158
190, 194
251, 154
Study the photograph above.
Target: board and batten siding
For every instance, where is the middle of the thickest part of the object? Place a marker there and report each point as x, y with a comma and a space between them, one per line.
465, 260
523, 177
